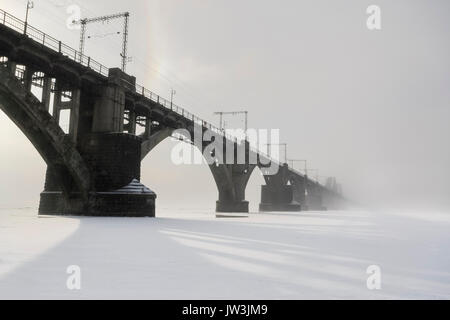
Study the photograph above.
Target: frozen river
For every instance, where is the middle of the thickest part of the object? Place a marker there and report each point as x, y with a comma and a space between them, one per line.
192, 254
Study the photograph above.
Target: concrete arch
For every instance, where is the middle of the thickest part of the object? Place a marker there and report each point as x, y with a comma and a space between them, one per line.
54, 146
220, 174
231, 179
149, 144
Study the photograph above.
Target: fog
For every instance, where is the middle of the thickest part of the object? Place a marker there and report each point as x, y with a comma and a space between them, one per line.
371, 108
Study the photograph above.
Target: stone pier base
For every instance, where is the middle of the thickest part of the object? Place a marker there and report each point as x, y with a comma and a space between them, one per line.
279, 198
282, 207
222, 206
134, 200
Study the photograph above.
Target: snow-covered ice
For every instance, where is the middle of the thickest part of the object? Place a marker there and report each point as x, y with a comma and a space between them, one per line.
191, 254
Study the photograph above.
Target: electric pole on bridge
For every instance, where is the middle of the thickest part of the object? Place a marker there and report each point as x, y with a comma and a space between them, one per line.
84, 22
172, 94
30, 5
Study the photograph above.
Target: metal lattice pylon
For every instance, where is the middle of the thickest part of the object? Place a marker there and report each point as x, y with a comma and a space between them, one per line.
84, 22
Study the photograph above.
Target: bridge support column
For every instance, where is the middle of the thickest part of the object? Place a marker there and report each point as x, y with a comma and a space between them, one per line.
57, 102
110, 107
46, 92
28, 78
132, 122
114, 161
278, 198
277, 195
230, 206
231, 182
148, 128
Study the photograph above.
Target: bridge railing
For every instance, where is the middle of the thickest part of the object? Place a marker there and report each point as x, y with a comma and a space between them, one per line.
50, 42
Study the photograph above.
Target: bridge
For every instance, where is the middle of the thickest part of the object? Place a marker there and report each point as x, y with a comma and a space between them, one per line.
94, 168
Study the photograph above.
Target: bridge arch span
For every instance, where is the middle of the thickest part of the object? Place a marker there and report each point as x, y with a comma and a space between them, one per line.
54, 146
231, 179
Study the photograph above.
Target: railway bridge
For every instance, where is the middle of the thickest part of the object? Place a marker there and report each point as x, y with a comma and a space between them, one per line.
93, 168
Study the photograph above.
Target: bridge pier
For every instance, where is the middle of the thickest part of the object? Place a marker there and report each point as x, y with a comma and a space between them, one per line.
278, 198
230, 206
277, 195
112, 156
114, 161
231, 182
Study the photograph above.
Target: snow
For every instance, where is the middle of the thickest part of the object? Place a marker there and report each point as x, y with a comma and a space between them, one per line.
191, 254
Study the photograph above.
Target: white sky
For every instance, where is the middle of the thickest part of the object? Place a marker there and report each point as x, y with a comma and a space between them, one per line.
371, 108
